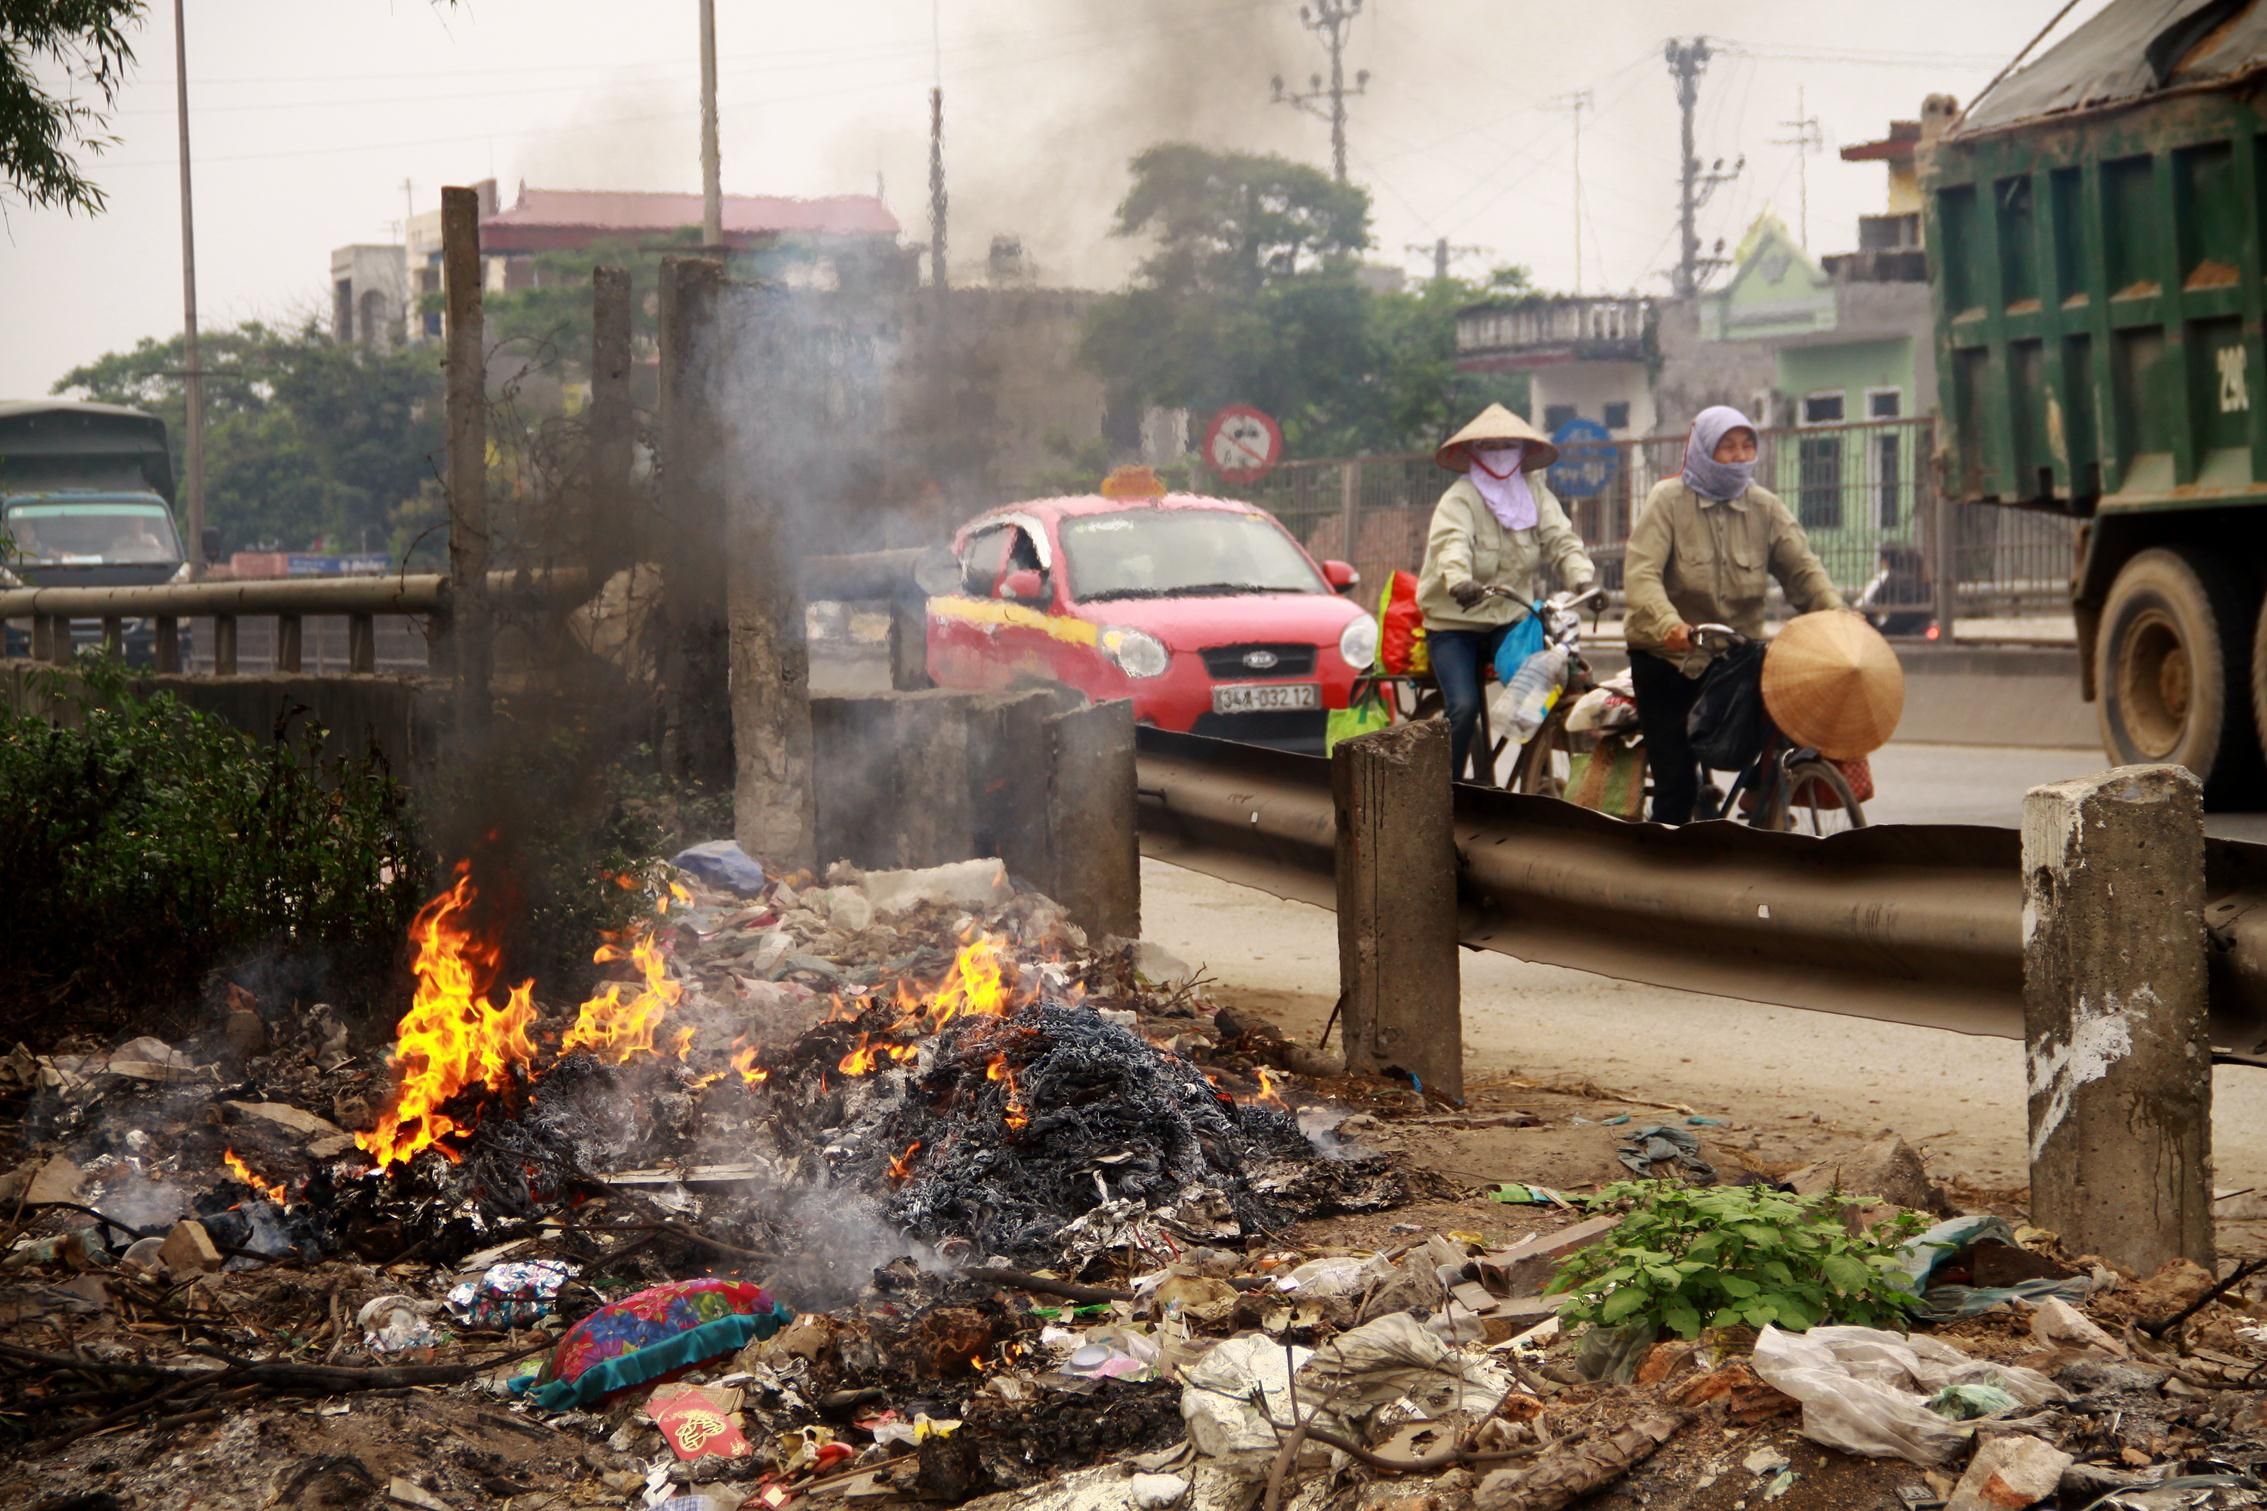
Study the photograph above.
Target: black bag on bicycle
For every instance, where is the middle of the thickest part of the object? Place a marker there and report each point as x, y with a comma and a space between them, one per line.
1727, 724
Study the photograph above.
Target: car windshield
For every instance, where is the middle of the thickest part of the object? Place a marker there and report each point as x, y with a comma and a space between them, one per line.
93, 532
1182, 553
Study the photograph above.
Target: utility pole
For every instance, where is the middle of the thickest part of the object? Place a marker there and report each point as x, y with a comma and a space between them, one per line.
1329, 20
1442, 255
1806, 140
712, 170
1686, 60
1577, 102
196, 379
937, 188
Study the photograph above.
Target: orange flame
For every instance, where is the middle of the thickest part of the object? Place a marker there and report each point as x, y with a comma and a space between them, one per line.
684, 1042
870, 1052
901, 1168
750, 1072
452, 1036
615, 1030
1268, 1093
268, 1188
974, 986
680, 894
1013, 1113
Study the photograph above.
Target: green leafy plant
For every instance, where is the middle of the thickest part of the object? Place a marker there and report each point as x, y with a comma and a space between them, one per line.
149, 845
1689, 1258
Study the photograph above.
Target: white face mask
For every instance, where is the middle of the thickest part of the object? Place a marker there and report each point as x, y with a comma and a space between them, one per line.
1500, 463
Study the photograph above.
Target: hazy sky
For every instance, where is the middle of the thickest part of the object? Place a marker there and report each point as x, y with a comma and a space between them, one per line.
308, 119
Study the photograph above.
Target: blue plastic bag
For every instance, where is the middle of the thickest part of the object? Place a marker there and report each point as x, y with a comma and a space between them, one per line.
1525, 639
722, 863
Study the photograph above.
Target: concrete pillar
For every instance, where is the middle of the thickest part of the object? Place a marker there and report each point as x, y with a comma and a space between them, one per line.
1398, 973
471, 630
607, 537
2114, 1008
1094, 849
693, 536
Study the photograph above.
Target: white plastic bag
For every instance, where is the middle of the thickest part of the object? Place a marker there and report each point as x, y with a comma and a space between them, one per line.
1866, 1391
1525, 701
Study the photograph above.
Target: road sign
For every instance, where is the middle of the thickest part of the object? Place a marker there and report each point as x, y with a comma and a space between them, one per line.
1242, 444
1587, 459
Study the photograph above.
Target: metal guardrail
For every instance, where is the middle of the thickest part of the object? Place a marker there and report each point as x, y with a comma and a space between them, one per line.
1918, 924
52, 612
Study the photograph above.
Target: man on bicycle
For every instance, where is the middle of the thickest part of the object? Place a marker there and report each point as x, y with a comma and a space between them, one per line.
1700, 553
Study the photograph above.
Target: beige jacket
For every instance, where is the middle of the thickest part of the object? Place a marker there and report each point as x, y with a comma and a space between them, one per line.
1468, 544
1695, 560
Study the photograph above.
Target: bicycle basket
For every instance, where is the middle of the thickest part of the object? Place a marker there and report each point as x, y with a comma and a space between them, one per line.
1728, 724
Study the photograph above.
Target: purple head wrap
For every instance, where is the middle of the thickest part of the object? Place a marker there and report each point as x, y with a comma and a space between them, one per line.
1703, 474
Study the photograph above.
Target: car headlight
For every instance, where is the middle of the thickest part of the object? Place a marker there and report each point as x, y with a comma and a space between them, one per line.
1136, 653
1358, 642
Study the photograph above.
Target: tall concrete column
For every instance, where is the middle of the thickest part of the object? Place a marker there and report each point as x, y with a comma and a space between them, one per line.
606, 540
2114, 1000
694, 544
1398, 974
773, 803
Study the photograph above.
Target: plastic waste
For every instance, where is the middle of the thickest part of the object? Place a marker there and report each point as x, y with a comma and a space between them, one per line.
1866, 1391
1962, 1403
1232, 1397
508, 1296
396, 1325
1527, 699
722, 863
1926, 1253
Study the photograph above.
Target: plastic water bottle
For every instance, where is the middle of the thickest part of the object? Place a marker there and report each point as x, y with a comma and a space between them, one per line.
1532, 691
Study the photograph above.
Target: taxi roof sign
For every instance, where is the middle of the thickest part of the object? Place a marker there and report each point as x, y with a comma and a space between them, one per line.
1133, 482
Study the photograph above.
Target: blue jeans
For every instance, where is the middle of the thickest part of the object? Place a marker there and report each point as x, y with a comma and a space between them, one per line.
1461, 659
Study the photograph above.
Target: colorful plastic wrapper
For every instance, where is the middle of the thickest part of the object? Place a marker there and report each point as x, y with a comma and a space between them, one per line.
654, 1335
508, 1296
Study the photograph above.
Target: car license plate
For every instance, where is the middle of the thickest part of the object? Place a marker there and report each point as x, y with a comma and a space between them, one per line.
1266, 697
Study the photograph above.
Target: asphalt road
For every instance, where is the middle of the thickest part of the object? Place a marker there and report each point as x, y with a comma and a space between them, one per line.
1960, 1099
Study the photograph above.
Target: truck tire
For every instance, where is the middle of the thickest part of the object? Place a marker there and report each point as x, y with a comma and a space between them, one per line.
2169, 667
2259, 677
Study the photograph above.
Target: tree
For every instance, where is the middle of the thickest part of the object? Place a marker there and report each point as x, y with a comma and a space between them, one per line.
1254, 295
307, 441
1232, 222
41, 133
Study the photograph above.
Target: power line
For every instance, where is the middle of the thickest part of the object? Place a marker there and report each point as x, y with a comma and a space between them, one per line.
1805, 141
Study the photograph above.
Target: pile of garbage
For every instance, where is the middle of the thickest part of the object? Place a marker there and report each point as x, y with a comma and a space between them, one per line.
939, 1202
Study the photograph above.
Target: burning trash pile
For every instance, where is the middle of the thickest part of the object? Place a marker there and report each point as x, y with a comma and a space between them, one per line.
898, 1190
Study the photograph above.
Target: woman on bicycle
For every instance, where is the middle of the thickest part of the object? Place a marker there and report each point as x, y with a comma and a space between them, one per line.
1497, 526
1700, 553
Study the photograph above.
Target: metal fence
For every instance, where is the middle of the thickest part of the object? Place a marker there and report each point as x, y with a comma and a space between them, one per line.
1864, 493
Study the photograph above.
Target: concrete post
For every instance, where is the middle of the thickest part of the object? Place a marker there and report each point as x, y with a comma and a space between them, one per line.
1398, 973
467, 399
2114, 1008
773, 805
1093, 847
607, 539
1944, 564
693, 545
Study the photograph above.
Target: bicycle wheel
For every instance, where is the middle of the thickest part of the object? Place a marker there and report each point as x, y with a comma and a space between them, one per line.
1815, 798
1546, 763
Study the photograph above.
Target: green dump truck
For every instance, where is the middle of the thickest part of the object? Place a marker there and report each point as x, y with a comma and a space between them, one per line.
2094, 234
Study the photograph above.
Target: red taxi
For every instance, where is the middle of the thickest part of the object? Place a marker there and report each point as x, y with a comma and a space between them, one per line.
1204, 611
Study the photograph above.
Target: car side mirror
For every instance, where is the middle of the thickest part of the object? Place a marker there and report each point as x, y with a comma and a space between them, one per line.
1341, 576
1024, 585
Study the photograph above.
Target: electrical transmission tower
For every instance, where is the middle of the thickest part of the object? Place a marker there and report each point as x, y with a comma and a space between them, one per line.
1686, 60
1329, 20
1806, 140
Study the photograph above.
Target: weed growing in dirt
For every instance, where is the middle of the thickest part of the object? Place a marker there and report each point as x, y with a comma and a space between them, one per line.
1689, 1258
147, 844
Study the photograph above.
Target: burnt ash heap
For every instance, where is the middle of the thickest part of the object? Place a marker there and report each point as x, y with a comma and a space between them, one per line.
1110, 1117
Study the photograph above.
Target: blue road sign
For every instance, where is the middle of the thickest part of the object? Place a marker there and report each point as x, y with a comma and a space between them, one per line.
1587, 459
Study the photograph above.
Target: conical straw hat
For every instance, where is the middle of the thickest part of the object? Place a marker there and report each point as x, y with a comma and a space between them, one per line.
1497, 423
1831, 682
